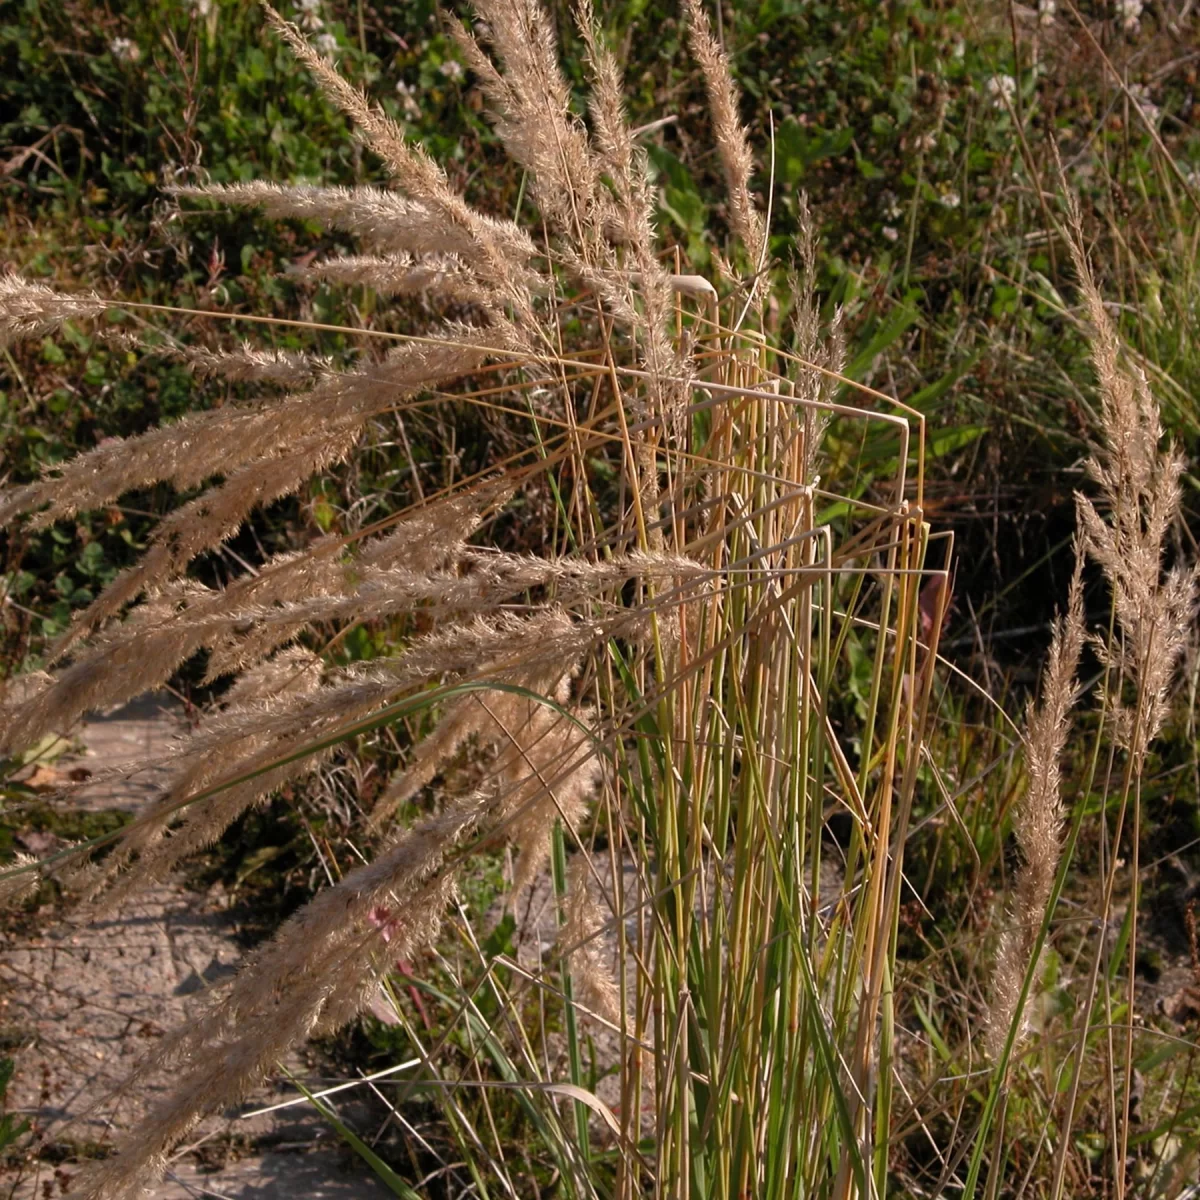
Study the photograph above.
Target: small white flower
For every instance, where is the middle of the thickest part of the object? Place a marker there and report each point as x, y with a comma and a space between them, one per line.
926, 142
891, 206
949, 198
1140, 94
310, 14
202, 8
1001, 88
1129, 12
326, 43
408, 100
452, 69
1046, 11
891, 233
123, 50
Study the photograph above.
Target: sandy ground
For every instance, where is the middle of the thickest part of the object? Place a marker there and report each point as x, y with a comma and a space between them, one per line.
82, 1001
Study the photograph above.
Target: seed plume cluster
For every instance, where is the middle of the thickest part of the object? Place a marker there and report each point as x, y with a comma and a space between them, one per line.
507, 633
1125, 531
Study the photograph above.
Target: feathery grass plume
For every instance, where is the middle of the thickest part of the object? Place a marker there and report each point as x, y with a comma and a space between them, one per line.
29, 310
19, 880
257, 747
322, 969
255, 364
496, 246
108, 676
624, 165
158, 636
483, 584
539, 746
294, 670
546, 764
18, 690
208, 521
817, 384
318, 972
219, 513
1038, 820
1139, 486
427, 536
443, 277
737, 160
547, 771
531, 108
580, 938
426, 540
1126, 533
621, 159
382, 220
194, 449
206, 786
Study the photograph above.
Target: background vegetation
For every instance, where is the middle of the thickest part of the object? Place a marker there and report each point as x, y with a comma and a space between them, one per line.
927, 138
927, 166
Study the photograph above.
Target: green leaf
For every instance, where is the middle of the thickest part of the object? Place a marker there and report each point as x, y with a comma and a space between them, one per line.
500, 940
798, 148
946, 441
890, 330
923, 399
256, 861
9, 1130
385, 1173
681, 199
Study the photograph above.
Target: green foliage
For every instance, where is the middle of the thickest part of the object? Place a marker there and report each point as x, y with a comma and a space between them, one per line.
110, 108
10, 1128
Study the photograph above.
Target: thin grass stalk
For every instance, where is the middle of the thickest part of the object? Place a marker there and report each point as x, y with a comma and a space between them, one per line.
558, 861
978, 1143
870, 928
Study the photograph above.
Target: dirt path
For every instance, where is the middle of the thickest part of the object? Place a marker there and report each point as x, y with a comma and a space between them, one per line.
81, 1002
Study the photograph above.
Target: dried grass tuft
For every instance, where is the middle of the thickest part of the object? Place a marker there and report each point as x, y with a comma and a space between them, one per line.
670, 648
29, 310
1038, 820
1139, 486
582, 939
737, 159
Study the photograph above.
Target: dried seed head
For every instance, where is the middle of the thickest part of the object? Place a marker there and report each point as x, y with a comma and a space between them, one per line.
19, 879
1038, 820
582, 938
29, 310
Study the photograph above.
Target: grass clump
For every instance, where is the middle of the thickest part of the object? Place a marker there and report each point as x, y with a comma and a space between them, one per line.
710, 706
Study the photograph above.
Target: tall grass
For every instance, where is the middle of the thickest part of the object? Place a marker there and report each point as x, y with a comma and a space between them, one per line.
716, 656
